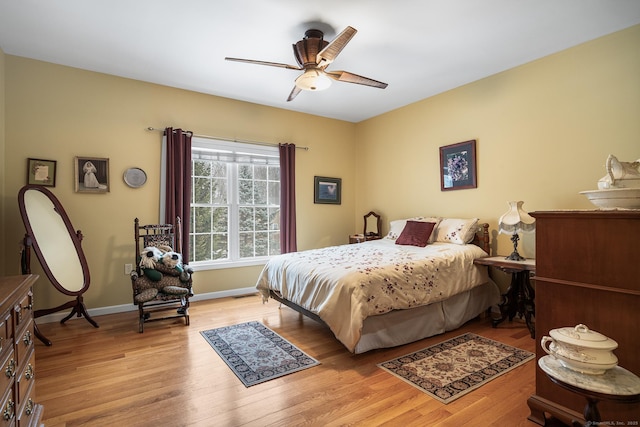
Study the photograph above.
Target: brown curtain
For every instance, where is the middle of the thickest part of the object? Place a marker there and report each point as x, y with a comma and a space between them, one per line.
178, 190
288, 240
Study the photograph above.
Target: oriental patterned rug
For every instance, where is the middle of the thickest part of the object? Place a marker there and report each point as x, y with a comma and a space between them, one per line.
453, 368
255, 353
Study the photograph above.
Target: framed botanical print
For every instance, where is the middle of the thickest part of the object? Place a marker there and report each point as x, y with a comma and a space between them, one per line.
41, 172
458, 166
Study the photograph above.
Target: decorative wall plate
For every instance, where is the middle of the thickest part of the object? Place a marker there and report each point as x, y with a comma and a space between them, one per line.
135, 177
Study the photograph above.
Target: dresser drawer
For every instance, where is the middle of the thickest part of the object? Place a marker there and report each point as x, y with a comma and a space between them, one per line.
8, 409
25, 378
9, 367
23, 311
6, 331
24, 343
27, 407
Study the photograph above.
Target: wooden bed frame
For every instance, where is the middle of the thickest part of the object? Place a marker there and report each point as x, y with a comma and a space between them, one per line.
481, 239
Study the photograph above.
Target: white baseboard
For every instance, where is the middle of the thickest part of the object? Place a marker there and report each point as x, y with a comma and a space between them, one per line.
100, 311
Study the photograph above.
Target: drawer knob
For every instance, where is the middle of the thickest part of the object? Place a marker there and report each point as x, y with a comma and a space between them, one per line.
27, 338
10, 369
28, 373
28, 410
8, 412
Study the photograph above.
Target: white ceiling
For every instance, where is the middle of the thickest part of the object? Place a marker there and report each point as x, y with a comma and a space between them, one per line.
419, 47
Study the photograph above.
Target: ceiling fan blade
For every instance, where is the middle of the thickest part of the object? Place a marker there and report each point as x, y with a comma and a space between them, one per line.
347, 77
270, 64
296, 90
327, 55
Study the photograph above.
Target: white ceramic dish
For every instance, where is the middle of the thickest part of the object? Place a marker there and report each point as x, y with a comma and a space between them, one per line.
626, 198
581, 349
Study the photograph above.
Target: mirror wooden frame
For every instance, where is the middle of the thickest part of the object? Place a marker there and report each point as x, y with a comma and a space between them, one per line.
370, 234
31, 240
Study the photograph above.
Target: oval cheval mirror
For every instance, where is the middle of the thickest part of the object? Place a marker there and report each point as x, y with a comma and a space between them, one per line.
58, 248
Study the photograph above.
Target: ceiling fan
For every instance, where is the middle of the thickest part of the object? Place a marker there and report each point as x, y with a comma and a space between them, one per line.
313, 55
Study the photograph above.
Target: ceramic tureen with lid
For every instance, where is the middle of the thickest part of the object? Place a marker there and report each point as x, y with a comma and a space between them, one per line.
581, 349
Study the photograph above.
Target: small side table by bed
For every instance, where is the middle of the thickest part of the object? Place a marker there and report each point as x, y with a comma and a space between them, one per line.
359, 238
520, 296
616, 384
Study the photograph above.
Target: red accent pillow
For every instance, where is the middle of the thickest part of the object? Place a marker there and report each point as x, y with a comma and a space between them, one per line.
416, 233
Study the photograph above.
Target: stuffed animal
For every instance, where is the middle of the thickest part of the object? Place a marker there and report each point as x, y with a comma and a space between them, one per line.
165, 248
154, 261
149, 259
173, 260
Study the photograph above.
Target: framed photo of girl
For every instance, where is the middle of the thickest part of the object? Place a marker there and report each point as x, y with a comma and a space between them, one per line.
91, 175
458, 166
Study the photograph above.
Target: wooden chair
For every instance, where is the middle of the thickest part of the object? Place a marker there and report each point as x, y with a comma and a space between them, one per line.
163, 287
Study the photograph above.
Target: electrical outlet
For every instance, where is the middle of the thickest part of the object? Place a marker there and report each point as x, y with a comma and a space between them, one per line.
128, 268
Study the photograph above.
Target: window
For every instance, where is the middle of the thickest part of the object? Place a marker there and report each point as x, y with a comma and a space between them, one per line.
235, 203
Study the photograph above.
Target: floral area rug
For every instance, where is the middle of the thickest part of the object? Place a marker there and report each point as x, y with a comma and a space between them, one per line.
453, 368
255, 353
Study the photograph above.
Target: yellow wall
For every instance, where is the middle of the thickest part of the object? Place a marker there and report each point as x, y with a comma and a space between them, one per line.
56, 112
2, 156
543, 129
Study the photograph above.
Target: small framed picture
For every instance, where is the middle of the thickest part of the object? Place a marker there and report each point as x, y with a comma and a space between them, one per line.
327, 190
91, 175
41, 172
458, 166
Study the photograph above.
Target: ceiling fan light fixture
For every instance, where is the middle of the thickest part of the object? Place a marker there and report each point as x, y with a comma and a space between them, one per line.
313, 80
313, 55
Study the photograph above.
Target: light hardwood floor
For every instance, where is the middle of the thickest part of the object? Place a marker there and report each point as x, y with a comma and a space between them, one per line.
170, 376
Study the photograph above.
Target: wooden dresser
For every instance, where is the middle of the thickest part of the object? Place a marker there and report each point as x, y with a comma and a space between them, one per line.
587, 271
17, 353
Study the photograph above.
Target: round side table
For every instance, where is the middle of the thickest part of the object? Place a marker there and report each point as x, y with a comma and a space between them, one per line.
616, 384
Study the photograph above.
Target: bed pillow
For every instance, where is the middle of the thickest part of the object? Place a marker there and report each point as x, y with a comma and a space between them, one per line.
416, 233
456, 230
436, 221
396, 226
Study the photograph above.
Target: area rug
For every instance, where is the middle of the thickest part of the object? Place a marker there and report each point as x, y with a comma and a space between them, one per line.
255, 353
453, 368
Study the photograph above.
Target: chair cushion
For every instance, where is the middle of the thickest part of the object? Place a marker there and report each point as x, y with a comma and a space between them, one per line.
146, 295
175, 290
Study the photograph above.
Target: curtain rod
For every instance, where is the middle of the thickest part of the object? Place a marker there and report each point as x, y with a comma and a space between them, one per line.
240, 141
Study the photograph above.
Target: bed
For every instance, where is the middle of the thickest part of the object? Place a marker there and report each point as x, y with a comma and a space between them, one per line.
417, 281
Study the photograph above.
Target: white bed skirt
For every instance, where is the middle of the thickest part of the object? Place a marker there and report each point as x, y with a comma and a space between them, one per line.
404, 326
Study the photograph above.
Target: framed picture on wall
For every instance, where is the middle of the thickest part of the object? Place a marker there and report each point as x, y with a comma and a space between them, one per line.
327, 190
41, 172
91, 175
458, 166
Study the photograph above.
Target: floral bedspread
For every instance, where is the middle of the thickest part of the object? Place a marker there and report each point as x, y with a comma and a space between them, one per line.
345, 284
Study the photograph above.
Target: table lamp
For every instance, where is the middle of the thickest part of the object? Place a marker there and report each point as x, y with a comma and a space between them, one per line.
516, 220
